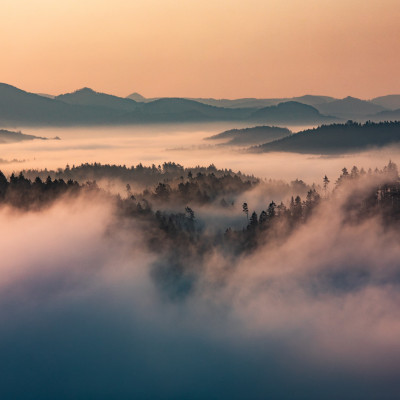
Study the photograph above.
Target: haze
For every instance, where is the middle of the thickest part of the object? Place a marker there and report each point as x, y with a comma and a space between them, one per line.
181, 143
197, 247
221, 49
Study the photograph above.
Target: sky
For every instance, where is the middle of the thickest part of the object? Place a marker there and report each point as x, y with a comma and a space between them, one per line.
202, 48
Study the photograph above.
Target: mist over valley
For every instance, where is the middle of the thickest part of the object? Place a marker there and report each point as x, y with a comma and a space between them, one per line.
199, 200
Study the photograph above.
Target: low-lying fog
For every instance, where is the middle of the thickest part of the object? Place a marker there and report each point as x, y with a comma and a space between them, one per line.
182, 144
86, 310
82, 317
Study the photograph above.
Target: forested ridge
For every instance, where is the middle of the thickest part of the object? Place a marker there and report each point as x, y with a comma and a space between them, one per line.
336, 138
145, 175
379, 194
176, 216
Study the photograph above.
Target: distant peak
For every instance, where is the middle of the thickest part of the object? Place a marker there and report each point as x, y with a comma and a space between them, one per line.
351, 98
136, 96
85, 90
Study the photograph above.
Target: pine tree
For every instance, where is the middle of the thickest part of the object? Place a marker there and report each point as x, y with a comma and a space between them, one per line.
326, 183
246, 210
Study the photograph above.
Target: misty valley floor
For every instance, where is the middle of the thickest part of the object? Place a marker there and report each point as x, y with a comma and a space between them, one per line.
193, 283
200, 200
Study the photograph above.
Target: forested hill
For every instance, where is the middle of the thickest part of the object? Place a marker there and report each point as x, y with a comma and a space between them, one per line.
291, 112
251, 136
336, 138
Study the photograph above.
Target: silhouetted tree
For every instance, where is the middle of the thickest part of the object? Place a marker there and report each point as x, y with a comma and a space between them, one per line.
190, 213
246, 210
253, 220
271, 210
326, 183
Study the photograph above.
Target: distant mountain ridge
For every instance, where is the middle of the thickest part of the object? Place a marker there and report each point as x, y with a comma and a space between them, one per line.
250, 102
18, 107
136, 97
350, 107
182, 110
88, 97
290, 112
390, 102
88, 107
392, 115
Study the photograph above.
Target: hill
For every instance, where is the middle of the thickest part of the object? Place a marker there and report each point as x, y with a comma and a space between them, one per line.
391, 102
14, 137
289, 112
86, 107
251, 136
88, 97
136, 97
313, 100
182, 110
18, 107
336, 138
349, 108
389, 115
261, 103
237, 103
250, 102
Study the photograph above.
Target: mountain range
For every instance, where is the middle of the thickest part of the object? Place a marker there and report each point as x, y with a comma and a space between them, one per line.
340, 108
88, 107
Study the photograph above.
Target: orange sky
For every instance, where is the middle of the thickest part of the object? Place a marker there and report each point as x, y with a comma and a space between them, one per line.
202, 48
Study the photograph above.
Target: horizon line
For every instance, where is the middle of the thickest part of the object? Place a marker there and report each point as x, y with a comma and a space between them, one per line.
202, 98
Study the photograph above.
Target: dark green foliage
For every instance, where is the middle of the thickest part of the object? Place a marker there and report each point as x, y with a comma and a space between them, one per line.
337, 138
139, 174
246, 210
180, 238
21, 192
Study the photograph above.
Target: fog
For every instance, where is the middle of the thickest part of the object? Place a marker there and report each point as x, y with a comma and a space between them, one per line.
182, 144
98, 302
84, 313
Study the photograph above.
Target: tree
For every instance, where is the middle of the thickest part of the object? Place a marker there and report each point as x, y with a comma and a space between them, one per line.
296, 208
3, 184
391, 170
246, 210
326, 183
253, 220
128, 190
354, 172
263, 218
163, 191
190, 213
271, 210
344, 176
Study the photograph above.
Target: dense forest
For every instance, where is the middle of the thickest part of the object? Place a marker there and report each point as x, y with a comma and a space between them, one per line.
202, 188
337, 138
139, 174
175, 217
